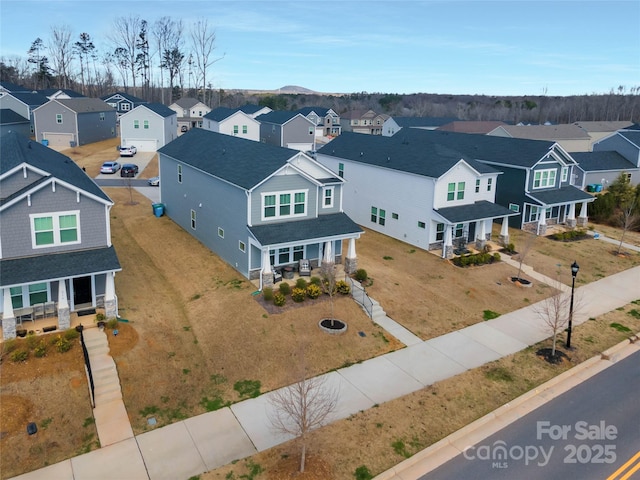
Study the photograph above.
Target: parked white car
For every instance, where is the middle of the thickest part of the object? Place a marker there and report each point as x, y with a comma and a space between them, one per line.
129, 151
110, 167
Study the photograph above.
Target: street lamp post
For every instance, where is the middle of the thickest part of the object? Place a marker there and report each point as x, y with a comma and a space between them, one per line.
574, 271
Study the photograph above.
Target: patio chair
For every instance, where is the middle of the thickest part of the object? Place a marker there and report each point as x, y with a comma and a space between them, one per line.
277, 276
49, 309
304, 268
38, 310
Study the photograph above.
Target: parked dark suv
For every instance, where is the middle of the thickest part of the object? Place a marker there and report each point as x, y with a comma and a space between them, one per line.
129, 170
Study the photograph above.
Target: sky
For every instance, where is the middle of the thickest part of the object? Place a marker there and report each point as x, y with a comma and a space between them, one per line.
507, 47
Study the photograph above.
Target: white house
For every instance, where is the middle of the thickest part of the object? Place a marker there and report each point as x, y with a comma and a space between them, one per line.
232, 121
148, 127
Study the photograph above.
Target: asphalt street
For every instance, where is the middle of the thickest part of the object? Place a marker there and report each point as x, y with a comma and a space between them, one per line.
589, 432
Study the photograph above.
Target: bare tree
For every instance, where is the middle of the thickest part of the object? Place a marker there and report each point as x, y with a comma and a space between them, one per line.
302, 407
36, 57
143, 58
84, 49
554, 312
61, 52
629, 219
328, 278
125, 38
203, 42
168, 40
528, 244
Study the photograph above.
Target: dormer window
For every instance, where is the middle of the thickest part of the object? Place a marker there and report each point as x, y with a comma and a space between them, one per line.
544, 178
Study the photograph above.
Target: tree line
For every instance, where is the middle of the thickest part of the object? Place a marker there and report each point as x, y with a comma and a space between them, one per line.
163, 60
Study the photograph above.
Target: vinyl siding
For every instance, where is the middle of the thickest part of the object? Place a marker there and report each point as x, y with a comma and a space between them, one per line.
284, 183
621, 145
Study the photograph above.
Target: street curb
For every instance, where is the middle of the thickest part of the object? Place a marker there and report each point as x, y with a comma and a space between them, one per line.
449, 447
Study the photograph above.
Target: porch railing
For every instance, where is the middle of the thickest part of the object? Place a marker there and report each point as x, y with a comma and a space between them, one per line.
87, 365
360, 295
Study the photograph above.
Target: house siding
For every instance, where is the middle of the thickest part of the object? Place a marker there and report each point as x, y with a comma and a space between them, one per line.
621, 145
509, 190
161, 130
297, 132
270, 133
92, 129
283, 183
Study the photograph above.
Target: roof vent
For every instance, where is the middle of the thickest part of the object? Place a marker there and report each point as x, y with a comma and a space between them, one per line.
224, 150
362, 154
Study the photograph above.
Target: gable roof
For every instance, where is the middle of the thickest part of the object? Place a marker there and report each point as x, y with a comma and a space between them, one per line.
250, 108
18, 149
85, 105
467, 126
428, 122
601, 161
13, 87
474, 211
633, 136
125, 96
320, 111
31, 99
8, 116
221, 113
603, 126
47, 92
546, 132
417, 154
158, 108
187, 102
241, 162
279, 117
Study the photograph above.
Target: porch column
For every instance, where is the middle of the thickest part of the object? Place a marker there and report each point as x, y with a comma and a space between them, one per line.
481, 234
542, 221
64, 317
267, 273
327, 255
110, 299
571, 216
351, 261
504, 231
582, 219
8, 318
447, 246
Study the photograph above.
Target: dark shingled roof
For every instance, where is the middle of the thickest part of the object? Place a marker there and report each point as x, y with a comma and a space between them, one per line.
559, 196
159, 108
47, 92
220, 113
324, 226
126, 96
632, 135
475, 211
85, 105
8, 116
30, 98
320, 111
42, 268
279, 117
242, 162
250, 108
18, 149
601, 161
426, 122
187, 102
406, 152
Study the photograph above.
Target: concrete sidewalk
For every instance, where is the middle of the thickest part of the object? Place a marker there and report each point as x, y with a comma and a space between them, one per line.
202, 443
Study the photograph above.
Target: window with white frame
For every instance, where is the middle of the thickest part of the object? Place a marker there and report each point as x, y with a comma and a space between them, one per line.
58, 118
341, 170
534, 213
455, 191
439, 232
146, 124
565, 174
54, 229
327, 195
477, 185
374, 214
179, 173
287, 255
544, 178
244, 129
193, 219
382, 217
421, 224
514, 207
221, 232
242, 246
102, 116
136, 124
489, 184
284, 204
37, 293
125, 107
16, 297
235, 129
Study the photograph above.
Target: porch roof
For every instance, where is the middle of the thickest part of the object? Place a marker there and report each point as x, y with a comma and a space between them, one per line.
558, 196
42, 268
476, 211
324, 226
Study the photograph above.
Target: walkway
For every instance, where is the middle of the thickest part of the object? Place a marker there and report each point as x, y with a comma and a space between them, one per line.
202, 443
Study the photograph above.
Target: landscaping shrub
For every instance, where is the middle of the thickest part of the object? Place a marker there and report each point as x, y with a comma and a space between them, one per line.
343, 287
267, 294
475, 259
100, 317
315, 281
285, 288
510, 248
41, 349
10, 345
570, 235
279, 299
71, 334
31, 340
112, 323
313, 290
19, 355
362, 473
298, 294
62, 344
301, 283
361, 275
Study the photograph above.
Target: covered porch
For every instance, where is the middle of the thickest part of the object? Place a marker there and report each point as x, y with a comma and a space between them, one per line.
555, 207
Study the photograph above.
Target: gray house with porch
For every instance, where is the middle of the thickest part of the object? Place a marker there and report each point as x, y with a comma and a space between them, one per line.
258, 206
55, 237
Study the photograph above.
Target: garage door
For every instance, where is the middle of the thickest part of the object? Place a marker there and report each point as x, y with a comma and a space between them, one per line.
142, 145
58, 139
303, 147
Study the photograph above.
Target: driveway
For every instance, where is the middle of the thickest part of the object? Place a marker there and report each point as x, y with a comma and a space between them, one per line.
141, 159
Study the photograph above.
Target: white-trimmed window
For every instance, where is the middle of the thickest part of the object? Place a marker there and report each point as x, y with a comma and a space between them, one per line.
102, 116
455, 191
514, 207
489, 184
58, 118
565, 174
235, 129
146, 124
421, 224
382, 217
37, 293
544, 178
54, 229
287, 255
242, 246
125, 107
193, 219
327, 197
179, 173
477, 185
534, 213
221, 232
439, 232
395, 216
16, 297
374, 214
136, 124
244, 129
341, 170
284, 204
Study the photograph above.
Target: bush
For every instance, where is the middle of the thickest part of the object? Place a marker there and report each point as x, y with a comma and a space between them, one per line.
301, 283
112, 323
71, 334
475, 259
510, 248
10, 345
19, 355
343, 287
298, 294
313, 290
100, 317
41, 350
362, 473
570, 235
285, 288
267, 294
31, 340
62, 344
361, 275
279, 299
315, 281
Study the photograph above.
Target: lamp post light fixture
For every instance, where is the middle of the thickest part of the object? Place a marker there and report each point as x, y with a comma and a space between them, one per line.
574, 272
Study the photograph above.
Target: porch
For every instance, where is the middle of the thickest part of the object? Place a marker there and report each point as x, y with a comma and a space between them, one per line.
50, 324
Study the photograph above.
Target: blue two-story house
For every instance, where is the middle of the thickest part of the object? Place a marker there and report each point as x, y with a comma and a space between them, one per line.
55, 237
257, 206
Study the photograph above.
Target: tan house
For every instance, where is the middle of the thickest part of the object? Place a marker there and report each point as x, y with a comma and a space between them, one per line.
190, 112
570, 137
598, 130
470, 126
361, 121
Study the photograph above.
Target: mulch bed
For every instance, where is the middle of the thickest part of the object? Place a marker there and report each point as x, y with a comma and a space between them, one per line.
546, 353
290, 304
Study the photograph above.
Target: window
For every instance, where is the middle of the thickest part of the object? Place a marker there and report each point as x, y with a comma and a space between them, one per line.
374, 214
477, 185
565, 174
16, 297
199, 113
179, 173
381, 220
126, 107
242, 246
440, 232
284, 255
298, 253
37, 293
455, 191
235, 129
193, 219
514, 207
221, 232
284, 204
311, 129
533, 214
55, 229
489, 184
58, 118
136, 124
421, 225
628, 176
328, 197
341, 170
287, 255
459, 231
244, 129
544, 178
146, 124
102, 116
395, 216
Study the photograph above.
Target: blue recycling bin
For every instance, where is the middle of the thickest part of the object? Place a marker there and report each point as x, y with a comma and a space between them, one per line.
158, 209
598, 187
45, 142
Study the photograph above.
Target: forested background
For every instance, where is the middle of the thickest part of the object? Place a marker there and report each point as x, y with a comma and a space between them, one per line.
162, 61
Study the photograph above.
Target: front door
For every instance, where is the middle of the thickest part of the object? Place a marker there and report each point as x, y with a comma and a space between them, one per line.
82, 294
